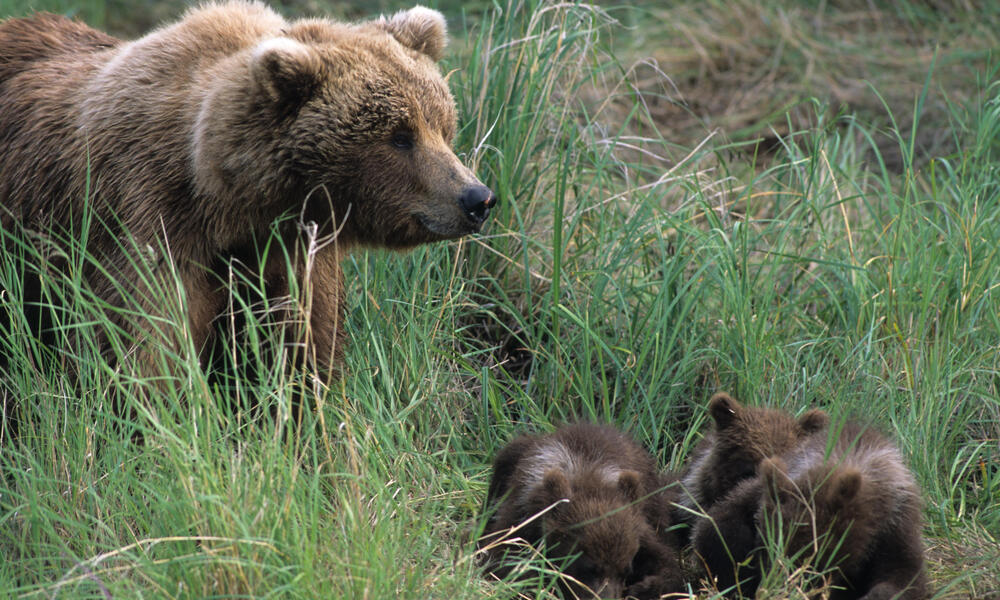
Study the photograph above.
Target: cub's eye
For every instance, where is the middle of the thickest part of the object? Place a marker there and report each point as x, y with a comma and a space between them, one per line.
402, 140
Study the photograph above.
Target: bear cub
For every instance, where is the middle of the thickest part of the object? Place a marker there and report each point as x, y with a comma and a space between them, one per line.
743, 436
593, 501
839, 497
855, 507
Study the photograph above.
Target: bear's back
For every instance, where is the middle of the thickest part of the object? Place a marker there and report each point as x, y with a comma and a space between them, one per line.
888, 499
44, 61
45, 36
587, 452
73, 100
877, 523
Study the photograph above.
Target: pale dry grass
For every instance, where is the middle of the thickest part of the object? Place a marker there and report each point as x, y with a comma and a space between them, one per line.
747, 68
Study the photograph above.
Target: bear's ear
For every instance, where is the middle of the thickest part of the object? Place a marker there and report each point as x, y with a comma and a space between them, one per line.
420, 28
630, 485
555, 486
844, 485
286, 70
724, 409
813, 420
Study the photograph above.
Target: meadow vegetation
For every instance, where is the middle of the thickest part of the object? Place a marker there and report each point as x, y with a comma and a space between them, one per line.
798, 204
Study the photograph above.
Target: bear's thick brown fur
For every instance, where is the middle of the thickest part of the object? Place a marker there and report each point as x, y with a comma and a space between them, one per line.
724, 540
196, 138
853, 506
590, 492
850, 505
742, 437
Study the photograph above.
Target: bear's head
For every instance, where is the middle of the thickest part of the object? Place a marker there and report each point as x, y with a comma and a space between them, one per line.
820, 514
744, 436
596, 533
349, 126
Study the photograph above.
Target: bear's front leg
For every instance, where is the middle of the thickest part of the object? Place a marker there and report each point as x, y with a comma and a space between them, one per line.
656, 571
727, 537
322, 281
205, 301
653, 587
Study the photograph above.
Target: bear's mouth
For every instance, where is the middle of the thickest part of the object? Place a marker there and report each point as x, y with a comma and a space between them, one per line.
451, 228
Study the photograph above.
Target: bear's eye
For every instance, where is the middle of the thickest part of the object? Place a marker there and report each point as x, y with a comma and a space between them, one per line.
402, 140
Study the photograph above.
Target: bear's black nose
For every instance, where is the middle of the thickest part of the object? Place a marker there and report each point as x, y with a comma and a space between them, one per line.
477, 200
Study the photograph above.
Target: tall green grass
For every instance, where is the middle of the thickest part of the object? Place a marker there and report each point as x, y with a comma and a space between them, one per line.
625, 277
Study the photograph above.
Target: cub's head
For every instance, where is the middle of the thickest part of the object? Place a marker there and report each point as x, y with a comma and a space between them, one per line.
820, 514
744, 436
357, 118
597, 535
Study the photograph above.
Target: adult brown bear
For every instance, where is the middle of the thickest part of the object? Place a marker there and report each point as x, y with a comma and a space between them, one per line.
196, 138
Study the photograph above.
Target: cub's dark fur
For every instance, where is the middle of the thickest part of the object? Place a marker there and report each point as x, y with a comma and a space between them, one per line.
614, 518
743, 436
851, 505
866, 509
723, 541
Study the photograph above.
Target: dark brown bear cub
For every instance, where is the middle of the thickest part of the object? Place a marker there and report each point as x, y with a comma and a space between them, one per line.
854, 508
850, 508
593, 499
742, 438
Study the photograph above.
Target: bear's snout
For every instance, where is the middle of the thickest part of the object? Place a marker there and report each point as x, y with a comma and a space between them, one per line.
476, 201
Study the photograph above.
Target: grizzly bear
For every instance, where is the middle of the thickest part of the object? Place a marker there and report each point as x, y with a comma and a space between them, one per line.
849, 508
593, 500
194, 145
742, 438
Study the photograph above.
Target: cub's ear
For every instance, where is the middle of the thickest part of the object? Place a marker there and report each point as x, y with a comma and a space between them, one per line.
630, 485
555, 486
286, 70
843, 485
814, 420
420, 28
724, 409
